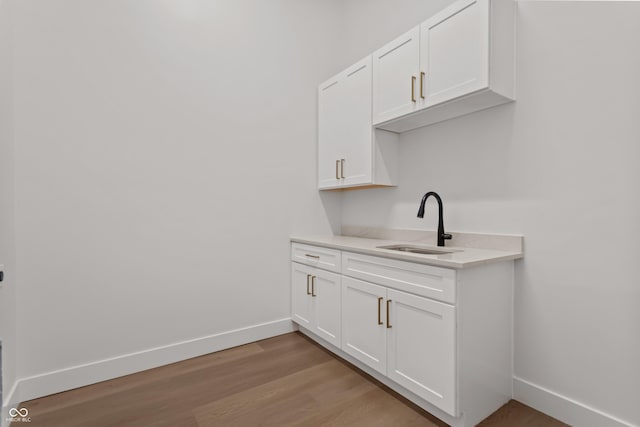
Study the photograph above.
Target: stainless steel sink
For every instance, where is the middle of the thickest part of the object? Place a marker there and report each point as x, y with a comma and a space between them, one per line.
417, 249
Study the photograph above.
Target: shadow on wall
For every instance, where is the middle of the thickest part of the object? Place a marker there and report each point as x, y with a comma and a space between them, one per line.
466, 158
332, 204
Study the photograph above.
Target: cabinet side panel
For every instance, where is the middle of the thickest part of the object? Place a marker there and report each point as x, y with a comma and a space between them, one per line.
502, 62
385, 158
485, 319
328, 133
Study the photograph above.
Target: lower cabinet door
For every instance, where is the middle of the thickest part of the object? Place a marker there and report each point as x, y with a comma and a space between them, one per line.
364, 331
325, 291
422, 348
301, 299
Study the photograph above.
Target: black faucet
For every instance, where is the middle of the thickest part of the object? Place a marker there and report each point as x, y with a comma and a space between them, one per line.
442, 236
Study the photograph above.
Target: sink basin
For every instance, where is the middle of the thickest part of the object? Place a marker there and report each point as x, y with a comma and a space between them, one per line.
417, 249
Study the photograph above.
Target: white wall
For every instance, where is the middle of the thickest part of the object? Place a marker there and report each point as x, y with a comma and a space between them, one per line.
165, 151
559, 166
7, 245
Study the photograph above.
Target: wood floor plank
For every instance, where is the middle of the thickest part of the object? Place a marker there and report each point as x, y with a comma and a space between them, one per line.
188, 389
514, 413
248, 401
283, 381
272, 413
327, 382
73, 397
371, 409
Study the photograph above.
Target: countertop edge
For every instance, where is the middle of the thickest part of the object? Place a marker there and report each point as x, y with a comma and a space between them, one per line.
505, 256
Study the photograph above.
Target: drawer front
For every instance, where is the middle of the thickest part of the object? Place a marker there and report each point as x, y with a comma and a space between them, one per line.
328, 259
419, 279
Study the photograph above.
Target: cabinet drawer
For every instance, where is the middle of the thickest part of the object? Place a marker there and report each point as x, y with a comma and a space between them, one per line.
328, 259
419, 279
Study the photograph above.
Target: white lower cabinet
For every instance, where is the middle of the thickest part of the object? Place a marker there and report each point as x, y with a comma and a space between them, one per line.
301, 303
441, 337
315, 301
364, 332
408, 338
421, 347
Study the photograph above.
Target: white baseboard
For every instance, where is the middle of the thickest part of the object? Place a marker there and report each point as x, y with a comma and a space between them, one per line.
562, 407
554, 404
102, 370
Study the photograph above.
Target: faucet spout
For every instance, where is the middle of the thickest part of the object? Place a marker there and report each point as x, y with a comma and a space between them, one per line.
442, 236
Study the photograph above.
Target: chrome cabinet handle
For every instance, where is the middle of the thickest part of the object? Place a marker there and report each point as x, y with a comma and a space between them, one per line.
337, 166
308, 277
413, 88
342, 168
313, 286
312, 256
422, 75
388, 311
379, 310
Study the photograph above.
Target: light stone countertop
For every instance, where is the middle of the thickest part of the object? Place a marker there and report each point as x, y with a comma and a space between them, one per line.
462, 257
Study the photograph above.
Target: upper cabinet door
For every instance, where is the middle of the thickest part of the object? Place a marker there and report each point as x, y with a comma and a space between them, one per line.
356, 165
396, 69
454, 52
345, 142
330, 130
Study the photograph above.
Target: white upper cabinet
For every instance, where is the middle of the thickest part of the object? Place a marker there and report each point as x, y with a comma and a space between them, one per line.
454, 52
329, 133
356, 138
395, 72
349, 152
458, 61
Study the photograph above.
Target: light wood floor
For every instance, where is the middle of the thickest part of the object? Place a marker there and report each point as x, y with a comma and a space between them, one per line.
283, 381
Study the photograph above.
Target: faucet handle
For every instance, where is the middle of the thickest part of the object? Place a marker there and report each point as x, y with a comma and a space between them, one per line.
447, 236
